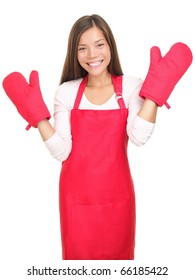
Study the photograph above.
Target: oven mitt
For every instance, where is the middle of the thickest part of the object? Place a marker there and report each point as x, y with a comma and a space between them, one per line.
26, 97
164, 72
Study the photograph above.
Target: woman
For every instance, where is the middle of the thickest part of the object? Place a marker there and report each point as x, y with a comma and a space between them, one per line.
96, 110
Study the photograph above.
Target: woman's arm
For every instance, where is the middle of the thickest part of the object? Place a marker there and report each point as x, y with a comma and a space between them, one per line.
58, 138
148, 111
59, 143
27, 98
142, 113
46, 130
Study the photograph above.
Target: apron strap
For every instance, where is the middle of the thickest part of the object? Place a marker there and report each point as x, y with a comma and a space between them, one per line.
80, 92
117, 83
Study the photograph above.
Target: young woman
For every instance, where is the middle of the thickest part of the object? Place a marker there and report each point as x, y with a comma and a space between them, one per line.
97, 109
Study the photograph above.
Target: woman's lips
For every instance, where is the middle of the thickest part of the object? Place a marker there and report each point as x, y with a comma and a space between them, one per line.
95, 63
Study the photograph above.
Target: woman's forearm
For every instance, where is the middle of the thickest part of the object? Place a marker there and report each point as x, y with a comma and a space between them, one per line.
148, 111
46, 130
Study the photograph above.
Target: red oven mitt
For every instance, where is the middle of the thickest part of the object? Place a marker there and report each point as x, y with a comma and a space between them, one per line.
164, 72
26, 97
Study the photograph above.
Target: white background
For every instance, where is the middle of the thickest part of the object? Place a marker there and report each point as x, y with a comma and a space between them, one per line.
34, 35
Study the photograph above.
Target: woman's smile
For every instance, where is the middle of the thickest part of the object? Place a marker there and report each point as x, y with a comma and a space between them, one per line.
95, 63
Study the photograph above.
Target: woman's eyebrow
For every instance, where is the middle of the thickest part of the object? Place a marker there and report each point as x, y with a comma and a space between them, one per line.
95, 42
99, 40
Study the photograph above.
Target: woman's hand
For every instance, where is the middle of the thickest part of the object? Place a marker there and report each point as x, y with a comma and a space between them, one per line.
26, 97
165, 72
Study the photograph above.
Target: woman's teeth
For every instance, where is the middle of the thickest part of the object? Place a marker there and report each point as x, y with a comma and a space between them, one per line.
96, 63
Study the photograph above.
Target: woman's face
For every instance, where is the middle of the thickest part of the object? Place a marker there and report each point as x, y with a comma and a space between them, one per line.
94, 52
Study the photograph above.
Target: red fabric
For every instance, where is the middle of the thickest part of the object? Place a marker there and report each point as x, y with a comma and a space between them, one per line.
165, 72
26, 97
97, 201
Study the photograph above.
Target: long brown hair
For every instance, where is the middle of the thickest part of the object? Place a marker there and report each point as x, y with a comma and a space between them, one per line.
72, 69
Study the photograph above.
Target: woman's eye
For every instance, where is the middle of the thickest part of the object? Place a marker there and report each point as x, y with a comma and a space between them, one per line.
100, 45
81, 48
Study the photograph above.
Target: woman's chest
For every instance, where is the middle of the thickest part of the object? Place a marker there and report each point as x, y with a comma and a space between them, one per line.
99, 96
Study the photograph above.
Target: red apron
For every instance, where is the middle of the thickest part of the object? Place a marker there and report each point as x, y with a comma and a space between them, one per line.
97, 201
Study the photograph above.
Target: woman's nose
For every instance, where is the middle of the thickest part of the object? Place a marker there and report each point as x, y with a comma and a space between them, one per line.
92, 52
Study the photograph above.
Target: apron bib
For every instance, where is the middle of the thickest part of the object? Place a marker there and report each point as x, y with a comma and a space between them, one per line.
97, 200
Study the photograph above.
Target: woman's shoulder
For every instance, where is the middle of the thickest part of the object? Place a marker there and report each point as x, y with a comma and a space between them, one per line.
131, 87
131, 81
69, 86
66, 92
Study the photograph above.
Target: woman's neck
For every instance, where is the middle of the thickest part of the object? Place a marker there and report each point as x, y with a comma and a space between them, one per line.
99, 81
